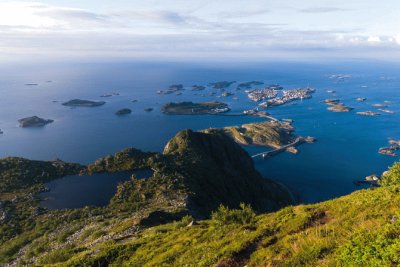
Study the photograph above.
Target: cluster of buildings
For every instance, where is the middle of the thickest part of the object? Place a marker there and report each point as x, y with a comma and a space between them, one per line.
288, 96
261, 94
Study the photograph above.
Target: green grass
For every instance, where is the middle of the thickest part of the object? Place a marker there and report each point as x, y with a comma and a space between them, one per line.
360, 229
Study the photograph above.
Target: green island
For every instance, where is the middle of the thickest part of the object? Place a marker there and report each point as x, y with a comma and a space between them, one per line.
248, 85
190, 108
83, 103
222, 84
33, 121
205, 205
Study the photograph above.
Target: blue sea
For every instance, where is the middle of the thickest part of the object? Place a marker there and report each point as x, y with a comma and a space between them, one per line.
347, 144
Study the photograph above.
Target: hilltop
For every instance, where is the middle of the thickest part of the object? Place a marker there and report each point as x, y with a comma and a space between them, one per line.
194, 175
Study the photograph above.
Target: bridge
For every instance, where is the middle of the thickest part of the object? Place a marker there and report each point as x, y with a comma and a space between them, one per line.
267, 154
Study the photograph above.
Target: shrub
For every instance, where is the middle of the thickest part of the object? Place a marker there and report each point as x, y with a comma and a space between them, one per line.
372, 248
225, 216
392, 176
59, 255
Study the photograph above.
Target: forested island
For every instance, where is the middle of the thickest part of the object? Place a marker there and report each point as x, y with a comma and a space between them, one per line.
33, 121
190, 108
83, 103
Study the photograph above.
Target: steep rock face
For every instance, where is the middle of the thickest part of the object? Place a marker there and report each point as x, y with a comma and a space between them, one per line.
217, 171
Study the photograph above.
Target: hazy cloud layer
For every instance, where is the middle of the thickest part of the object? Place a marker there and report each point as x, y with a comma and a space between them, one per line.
322, 10
35, 28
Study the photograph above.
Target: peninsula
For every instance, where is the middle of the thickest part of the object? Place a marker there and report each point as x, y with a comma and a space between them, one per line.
190, 108
270, 134
273, 134
33, 121
83, 103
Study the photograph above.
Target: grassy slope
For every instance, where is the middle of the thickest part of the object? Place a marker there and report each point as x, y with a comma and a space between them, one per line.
360, 229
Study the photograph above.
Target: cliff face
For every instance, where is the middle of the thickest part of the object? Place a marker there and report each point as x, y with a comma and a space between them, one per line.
217, 171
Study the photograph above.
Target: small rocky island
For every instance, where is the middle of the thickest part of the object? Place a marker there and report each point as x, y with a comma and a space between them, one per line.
379, 105
336, 106
171, 89
390, 150
33, 121
198, 88
368, 113
340, 107
190, 108
83, 103
124, 111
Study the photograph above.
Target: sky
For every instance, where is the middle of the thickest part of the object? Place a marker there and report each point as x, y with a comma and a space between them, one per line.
199, 29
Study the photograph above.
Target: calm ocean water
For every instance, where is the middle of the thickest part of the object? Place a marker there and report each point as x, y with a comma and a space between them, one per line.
347, 144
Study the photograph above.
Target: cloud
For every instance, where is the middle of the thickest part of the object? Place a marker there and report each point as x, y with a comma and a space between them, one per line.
35, 29
70, 14
160, 16
243, 13
322, 10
